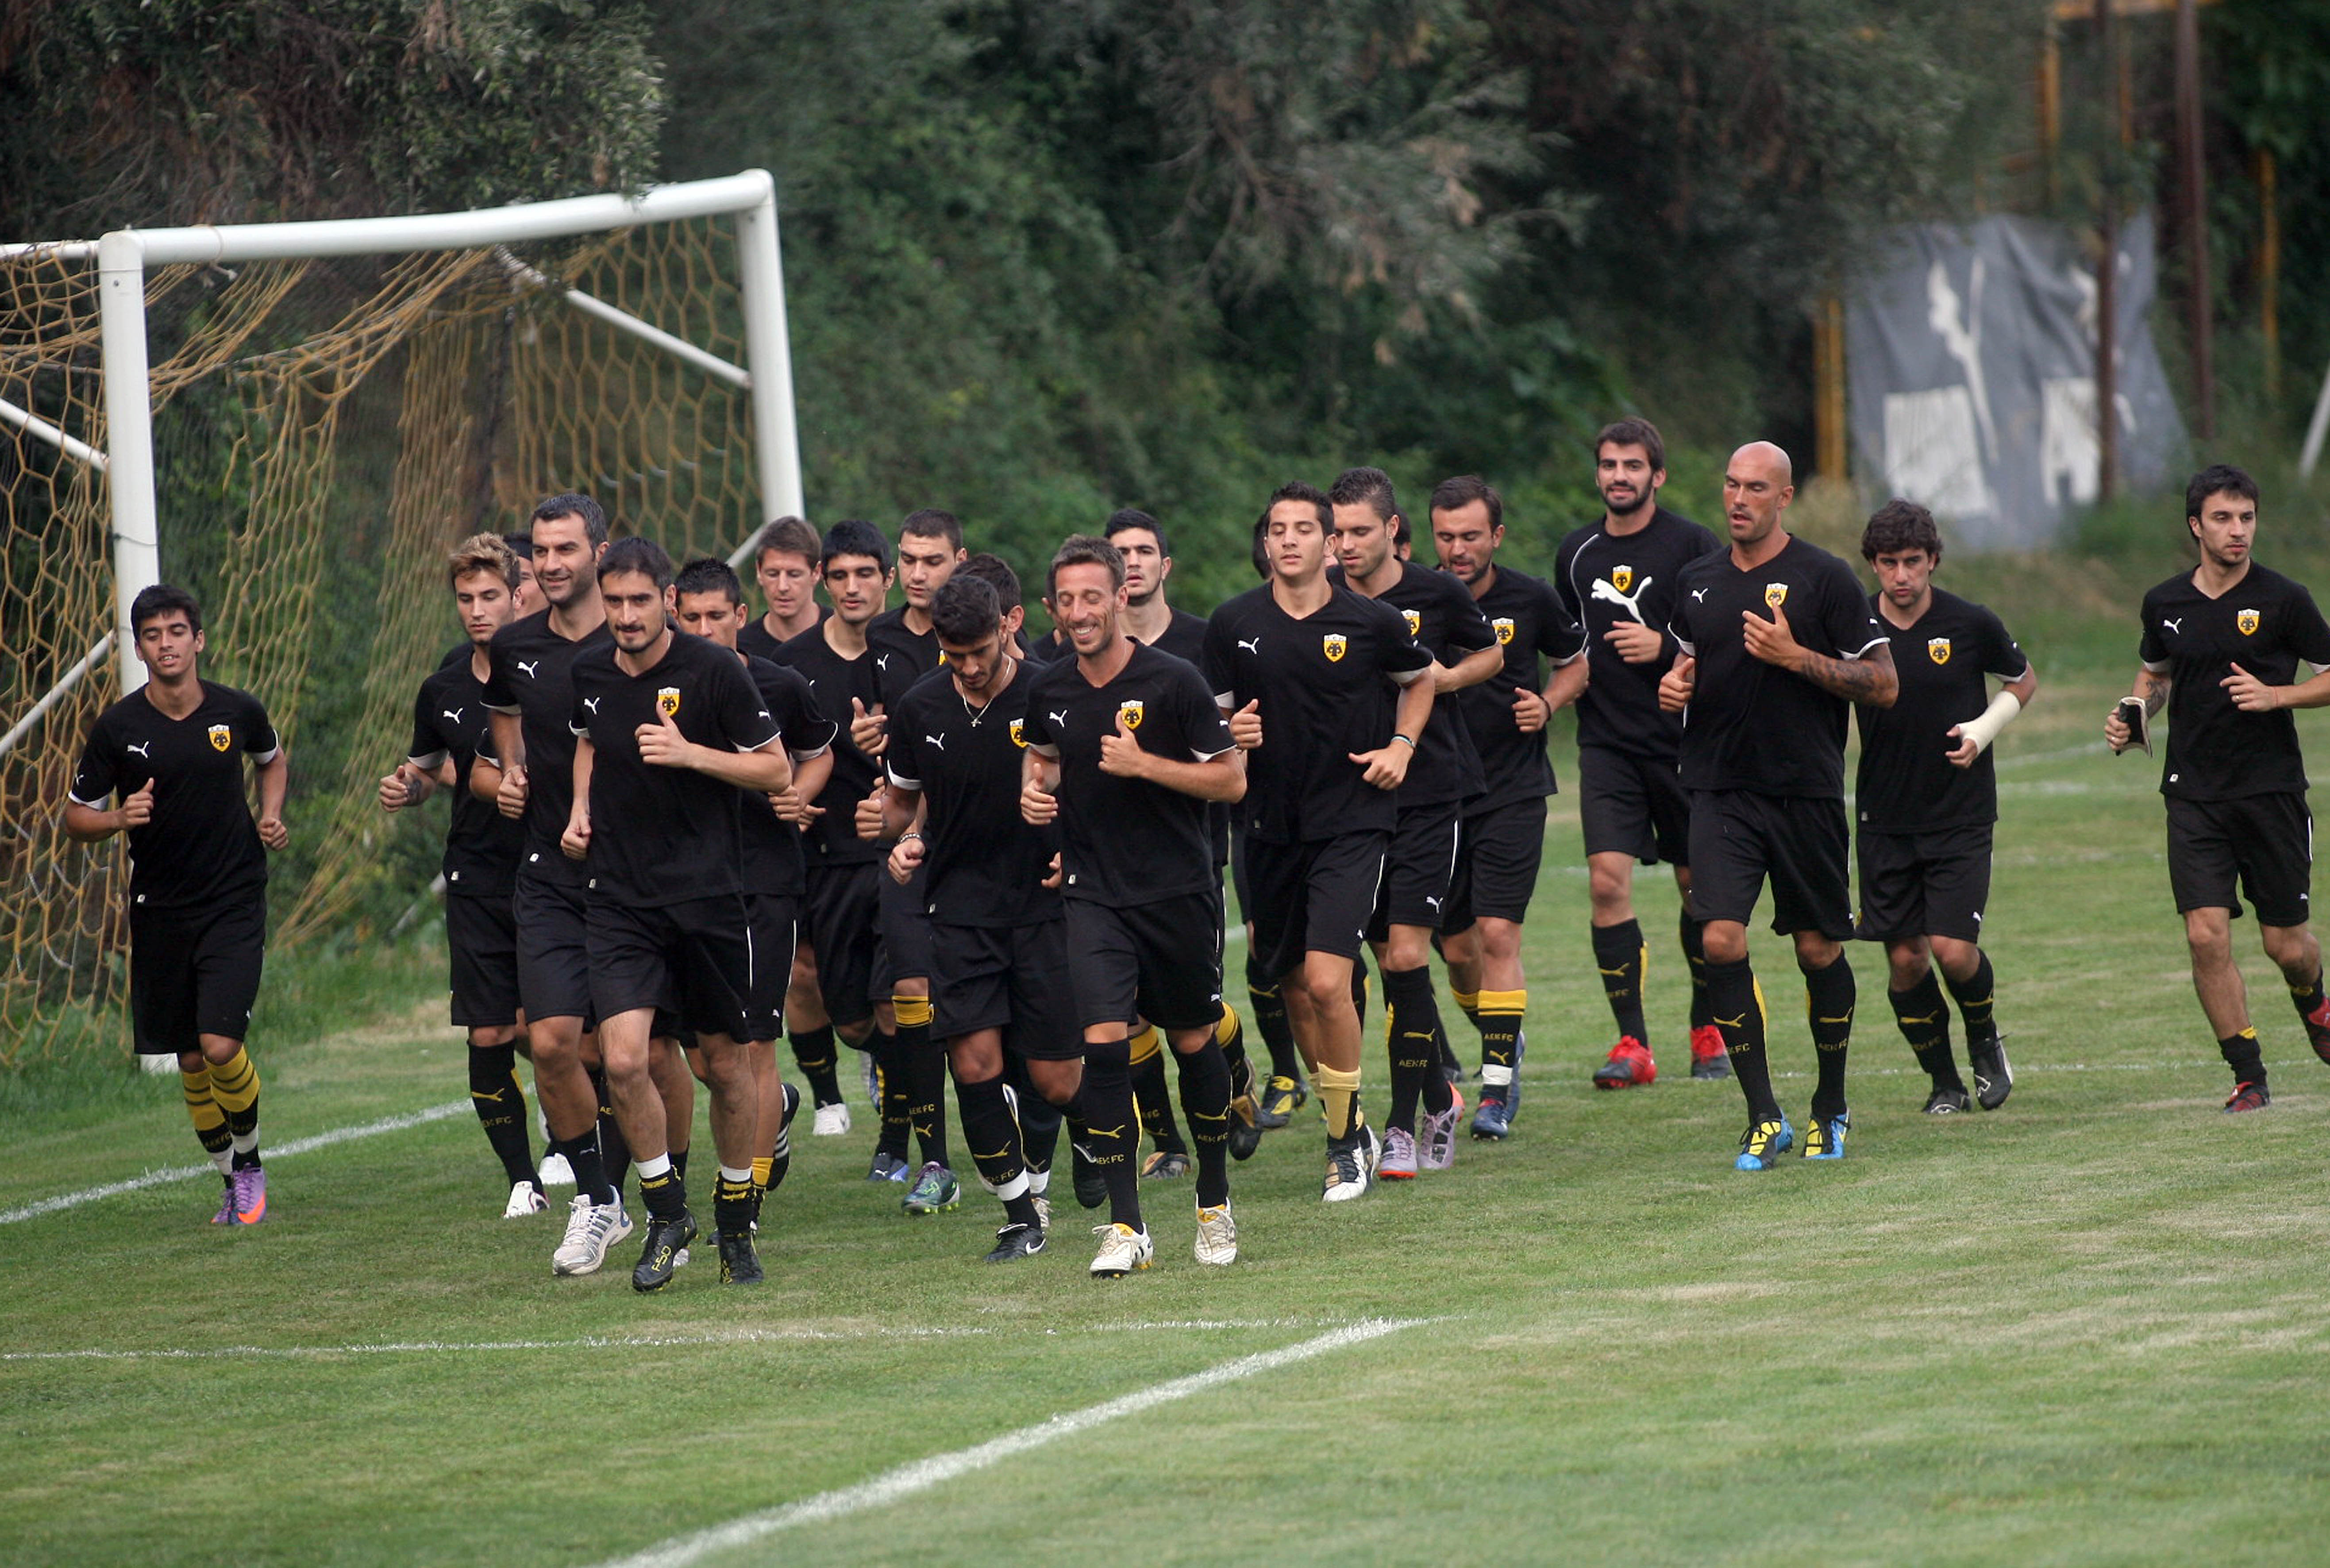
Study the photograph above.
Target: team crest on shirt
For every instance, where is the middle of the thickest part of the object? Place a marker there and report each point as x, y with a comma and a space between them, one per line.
220, 737
1019, 734
1504, 627
1621, 577
667, 702
1336, 644
1129, 712
1937, 648
2246, 621
1414, 620
1775, 594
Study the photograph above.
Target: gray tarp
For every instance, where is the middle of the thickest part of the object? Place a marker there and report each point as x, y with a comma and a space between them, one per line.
1971, 359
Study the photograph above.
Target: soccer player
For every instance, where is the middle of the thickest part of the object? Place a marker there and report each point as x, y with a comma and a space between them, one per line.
669, 727
832, 984
709, 602
905, 649
2221, 649
785, 562
1502, 839
1621, 579
1326, 692
526, 597
1776, 641
1445, 772
1928, 799
481, 855
1124, 749
528, 773
173, 752
1000, 977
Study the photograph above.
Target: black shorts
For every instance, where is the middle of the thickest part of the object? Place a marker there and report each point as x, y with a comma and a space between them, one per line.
195, 972
775, 921
1418, 869
837, 921
481, 950
1013, 978
903, 948
1161, 961
1737, 839
691, 960
2266, 841
1633, 805
554, 950
1497, 862
1312, 898
1929, 884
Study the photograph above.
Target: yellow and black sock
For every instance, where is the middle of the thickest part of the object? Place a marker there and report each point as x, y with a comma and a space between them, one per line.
992, 1136
209, 1119
813, 1049
1110, 1135
1412, 1032
1925, 1021
2242, 1055
925, 1067
1690, 933
1229, 1033
1829, 997
500, 1105
1977, 997
890, 1078
1620, 954
732, 1201
614, 1148
661, 1188
234, 1086
1150, 1097
1205, 1100
1270, 1018
1339, 1095
1500, 1014
1737, 1004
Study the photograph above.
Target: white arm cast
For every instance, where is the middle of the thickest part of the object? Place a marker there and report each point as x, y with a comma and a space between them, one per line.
2001, 713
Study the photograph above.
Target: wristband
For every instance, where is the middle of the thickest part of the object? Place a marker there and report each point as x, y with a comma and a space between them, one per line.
903, 837
1984, 729
1411, 745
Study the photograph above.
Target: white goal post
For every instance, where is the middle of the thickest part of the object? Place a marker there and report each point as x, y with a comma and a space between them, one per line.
124, 255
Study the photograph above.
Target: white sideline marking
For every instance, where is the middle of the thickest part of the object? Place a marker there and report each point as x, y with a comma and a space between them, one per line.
636, 1341
922, 1475
187, 1172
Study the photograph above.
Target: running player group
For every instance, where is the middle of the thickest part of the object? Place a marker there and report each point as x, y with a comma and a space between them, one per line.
680, 830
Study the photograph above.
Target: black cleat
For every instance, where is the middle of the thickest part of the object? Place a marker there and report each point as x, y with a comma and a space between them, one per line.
1994, 1080
659, 1259
740, 1261
1245, 1130
2248, 1097
1282, 1096
1947, 1102
781, 1158
1016, 1241
1091, 1187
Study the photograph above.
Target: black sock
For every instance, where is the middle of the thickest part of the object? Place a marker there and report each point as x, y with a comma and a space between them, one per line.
1233, 1053
1154, 1102
926, 1076
1111, 1134
679, 1165
732, 1205
1925, 1021
1829, 995
1619, 954
590, 1170
1205, 1101
1360, 990
501, 1109
1975, 998
992, 1136
890, 1071
813, 1049
2242, 1055
666, 1195
1039, 1125
1412, 1030
1270, 1018
2308, 998
614, 1149
1694, 956
1738, 1011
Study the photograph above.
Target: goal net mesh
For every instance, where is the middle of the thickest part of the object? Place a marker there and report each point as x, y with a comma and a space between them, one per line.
324, 431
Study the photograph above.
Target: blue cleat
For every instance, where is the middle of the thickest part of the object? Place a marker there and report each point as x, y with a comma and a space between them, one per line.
1824, 1136
1492, 1120
1763, 1143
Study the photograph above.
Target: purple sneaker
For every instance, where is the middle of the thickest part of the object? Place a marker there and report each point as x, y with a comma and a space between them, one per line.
250, 1196
225, 1216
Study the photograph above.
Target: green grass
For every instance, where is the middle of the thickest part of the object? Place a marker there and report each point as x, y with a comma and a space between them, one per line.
2087, 1328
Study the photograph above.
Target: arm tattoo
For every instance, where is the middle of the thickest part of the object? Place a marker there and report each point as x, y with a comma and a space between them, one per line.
1870, 679
2152, 687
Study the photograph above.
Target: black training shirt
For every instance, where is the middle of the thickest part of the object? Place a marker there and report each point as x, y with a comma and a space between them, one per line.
1185, 639
1753, 725
1528, 618
901, 656
2265, 624
1123, 841
832, 839
449, 723
1907, 781
984, 864
664, 835
529, 673
774, 860
757, 640
1447, 625
1604, 579
200, 848
1329, 687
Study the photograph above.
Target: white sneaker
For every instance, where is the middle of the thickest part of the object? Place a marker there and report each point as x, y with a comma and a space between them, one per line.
831, 1121
1123, 1249
1351, 1167
556, 1173
591, 1229
1216, 1235
525, 1199
1436, 1139
1044, 1213
1398, 1156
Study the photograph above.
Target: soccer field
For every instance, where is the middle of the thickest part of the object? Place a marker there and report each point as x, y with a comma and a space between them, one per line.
2089, 1327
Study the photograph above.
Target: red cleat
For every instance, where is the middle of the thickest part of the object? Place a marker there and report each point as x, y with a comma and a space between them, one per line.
1630, 1065
1708, 1059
